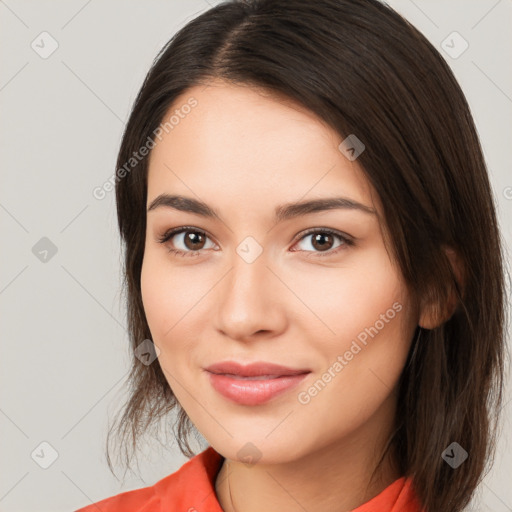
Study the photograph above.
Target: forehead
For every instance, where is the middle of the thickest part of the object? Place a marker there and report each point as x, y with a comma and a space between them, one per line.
237, 141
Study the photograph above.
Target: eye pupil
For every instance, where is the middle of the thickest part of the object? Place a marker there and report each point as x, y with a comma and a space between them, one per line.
317, 239
194, 238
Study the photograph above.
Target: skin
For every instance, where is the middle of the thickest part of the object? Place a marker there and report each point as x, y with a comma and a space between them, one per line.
244, 152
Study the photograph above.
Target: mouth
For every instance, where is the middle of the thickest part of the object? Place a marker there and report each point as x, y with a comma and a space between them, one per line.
256, 369
245, 377
253, 384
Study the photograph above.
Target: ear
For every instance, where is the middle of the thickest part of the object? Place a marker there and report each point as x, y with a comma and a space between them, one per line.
433, 314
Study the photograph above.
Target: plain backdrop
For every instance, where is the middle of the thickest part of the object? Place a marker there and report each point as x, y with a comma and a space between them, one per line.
70, 71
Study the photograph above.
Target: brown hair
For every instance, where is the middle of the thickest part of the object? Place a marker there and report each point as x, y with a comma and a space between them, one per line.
364, 70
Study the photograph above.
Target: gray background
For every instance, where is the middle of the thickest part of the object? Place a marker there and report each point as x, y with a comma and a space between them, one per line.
64, 354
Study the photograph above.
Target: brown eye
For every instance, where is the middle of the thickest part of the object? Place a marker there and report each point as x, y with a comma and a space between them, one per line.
186, 241
322, 241
194, 240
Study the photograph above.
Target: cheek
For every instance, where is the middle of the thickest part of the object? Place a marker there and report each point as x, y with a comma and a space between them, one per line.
343, 301
174, 305
161, 308
155, 297
168, 293
367, 308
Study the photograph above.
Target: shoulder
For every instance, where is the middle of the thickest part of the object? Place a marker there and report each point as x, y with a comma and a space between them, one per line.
190, 487
138, 500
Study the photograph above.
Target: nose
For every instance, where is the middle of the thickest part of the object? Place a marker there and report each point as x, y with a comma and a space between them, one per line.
251, 301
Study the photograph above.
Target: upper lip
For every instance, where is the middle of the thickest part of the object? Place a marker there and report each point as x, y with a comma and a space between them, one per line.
255, 369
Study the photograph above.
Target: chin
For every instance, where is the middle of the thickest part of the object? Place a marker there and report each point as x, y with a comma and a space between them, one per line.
259, 449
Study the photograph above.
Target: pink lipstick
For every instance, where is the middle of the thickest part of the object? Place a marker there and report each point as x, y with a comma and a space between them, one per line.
255, 383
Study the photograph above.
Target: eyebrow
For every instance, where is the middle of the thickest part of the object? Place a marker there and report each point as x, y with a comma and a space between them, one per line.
282, 212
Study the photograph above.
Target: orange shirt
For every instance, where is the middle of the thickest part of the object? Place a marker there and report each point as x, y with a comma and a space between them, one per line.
192, 489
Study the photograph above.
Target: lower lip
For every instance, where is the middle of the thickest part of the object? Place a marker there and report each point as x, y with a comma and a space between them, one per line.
253, 392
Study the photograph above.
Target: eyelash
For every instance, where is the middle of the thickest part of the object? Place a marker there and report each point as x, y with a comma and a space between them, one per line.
347, 242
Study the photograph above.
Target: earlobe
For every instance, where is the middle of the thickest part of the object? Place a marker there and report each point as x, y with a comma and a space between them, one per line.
432, 313
430, 317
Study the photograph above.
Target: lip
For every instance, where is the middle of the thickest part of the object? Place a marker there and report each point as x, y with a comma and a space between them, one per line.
255, 369
253, 384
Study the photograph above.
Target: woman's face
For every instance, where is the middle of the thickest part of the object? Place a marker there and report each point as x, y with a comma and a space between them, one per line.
254, 286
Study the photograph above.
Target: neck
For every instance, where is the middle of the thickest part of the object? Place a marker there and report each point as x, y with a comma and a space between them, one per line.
335, 478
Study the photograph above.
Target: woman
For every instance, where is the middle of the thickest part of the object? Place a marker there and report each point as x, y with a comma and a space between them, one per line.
313, 265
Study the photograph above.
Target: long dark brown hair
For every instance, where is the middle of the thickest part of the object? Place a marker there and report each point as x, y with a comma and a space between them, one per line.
364, 70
